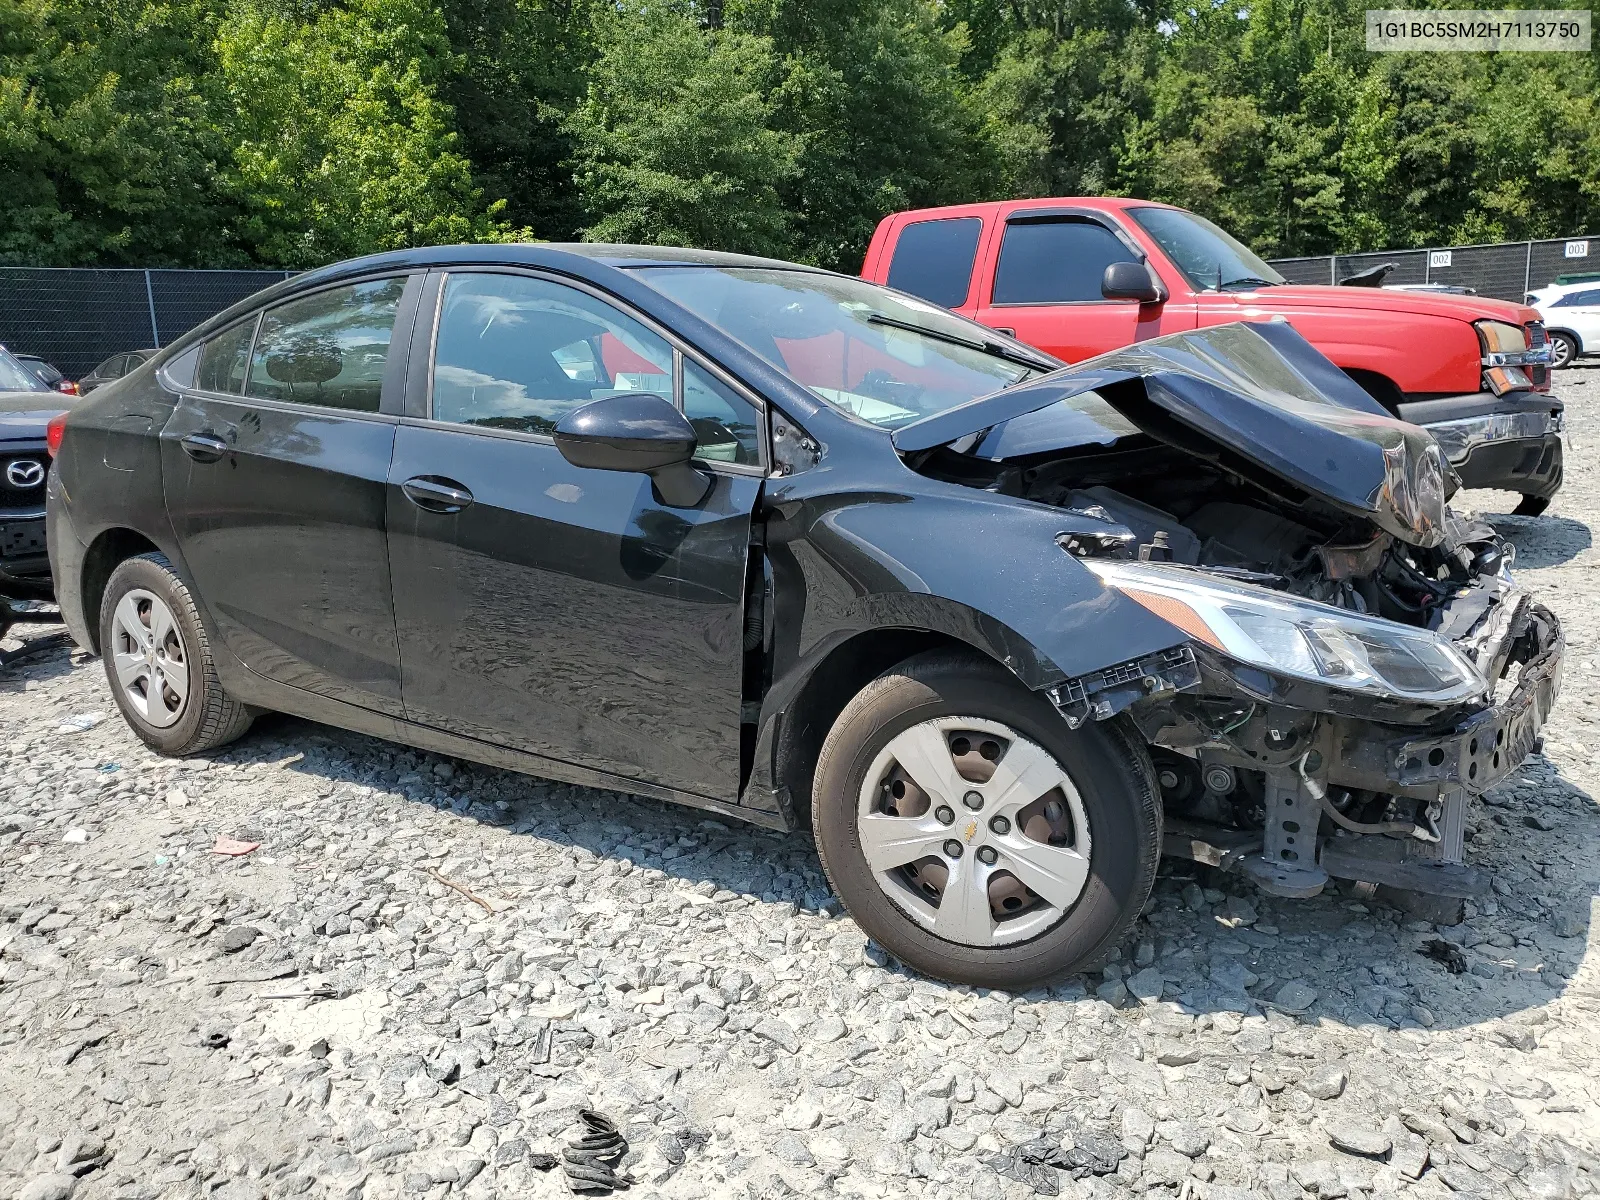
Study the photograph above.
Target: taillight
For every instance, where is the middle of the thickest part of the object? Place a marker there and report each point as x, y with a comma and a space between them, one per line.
54, 432
67, 388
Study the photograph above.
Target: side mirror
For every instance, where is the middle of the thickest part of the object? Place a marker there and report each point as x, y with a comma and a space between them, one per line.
640, 432
1131, 281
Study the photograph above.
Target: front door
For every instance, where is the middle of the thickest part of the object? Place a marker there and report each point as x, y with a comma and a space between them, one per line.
1046, 288
563, 611
275, 466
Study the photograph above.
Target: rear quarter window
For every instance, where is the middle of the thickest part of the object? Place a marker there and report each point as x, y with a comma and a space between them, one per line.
933, 259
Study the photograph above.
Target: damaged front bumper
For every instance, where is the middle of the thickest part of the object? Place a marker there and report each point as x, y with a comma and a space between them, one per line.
1510, 442
1265, 776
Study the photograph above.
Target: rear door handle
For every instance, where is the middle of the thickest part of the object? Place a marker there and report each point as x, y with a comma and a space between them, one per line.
204, 446
433, 494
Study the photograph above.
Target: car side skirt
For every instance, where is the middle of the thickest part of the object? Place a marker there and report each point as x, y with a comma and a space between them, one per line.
247, 687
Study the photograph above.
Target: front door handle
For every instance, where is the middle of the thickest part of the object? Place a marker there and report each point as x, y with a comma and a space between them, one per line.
436, 495
204, 446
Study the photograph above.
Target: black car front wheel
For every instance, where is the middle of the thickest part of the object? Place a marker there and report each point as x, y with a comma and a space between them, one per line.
158, 661
974, 835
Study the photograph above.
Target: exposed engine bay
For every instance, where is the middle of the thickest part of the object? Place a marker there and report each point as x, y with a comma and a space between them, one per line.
1353, 672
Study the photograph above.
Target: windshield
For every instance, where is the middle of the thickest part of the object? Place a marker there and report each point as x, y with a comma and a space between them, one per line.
1209, 258
14, 377
879, 355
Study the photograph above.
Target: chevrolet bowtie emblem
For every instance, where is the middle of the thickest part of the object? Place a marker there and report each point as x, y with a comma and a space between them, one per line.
972, 828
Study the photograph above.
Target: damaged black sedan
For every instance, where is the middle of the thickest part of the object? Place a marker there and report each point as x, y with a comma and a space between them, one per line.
787, 546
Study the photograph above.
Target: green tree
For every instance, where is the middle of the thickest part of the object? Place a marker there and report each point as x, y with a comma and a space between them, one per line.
340, 144
874, 95
106, 145
518, 69
673, 142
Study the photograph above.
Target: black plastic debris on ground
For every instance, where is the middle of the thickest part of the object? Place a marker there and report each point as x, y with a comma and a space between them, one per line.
590, 1162
1447, 953
1078, 1151
1014, 1165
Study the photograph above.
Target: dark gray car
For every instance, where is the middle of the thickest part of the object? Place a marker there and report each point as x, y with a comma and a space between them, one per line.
114, 368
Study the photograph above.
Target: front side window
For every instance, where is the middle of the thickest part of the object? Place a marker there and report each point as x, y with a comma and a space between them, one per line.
933, 259
1055, 262
1578, 299
876, 354
519, 353
223, 361
726, 425
329, 348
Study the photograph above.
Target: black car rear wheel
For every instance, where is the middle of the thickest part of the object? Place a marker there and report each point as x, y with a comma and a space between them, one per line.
974, 835
158, 661
1531, 506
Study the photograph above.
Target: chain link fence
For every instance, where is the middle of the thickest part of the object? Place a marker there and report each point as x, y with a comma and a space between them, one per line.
1507, 271
79, 317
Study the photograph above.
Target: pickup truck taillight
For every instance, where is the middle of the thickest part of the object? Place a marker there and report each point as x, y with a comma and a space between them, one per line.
1510, 360
54, 432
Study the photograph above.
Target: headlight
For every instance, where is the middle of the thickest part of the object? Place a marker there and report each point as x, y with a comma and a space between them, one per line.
1507, 356
1289, 636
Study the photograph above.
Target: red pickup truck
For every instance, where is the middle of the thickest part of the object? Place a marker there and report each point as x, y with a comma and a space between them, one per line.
1078, 277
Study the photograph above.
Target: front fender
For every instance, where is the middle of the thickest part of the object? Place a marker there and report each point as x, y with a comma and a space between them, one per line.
980, 568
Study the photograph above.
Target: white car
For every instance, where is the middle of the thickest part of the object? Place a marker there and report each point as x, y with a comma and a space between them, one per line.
1571, 315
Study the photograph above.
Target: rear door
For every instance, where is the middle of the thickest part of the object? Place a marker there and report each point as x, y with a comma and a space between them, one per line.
275, 466
1046, 285
562, 611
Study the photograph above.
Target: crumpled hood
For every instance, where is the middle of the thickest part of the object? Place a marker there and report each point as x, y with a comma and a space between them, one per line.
1257, 399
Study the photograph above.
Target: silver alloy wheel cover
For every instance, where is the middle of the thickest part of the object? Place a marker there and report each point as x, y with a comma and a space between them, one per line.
1561, 352
149, 658
1025, 772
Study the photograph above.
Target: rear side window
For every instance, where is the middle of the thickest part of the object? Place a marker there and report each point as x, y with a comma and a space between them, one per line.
1055, 262
222, 362
933, 259
329, 348
1578, 299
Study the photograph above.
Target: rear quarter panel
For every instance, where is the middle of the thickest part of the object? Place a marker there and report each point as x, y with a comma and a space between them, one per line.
108, 477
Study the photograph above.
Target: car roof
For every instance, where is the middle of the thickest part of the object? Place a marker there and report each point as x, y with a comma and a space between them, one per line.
534, 254
995, 208
1552, 290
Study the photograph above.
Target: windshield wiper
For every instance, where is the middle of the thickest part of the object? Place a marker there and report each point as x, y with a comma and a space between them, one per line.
994, 348
1250, 281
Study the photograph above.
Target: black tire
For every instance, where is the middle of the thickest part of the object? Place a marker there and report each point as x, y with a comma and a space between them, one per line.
1531, 506
1563, 349
1108, 764
210, 717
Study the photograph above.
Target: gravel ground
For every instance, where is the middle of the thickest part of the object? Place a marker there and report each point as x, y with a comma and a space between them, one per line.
427, 967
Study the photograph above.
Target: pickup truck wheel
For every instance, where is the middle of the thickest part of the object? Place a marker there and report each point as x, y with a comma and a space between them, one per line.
1531, 506
1563, 349
974, 835
158, 661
